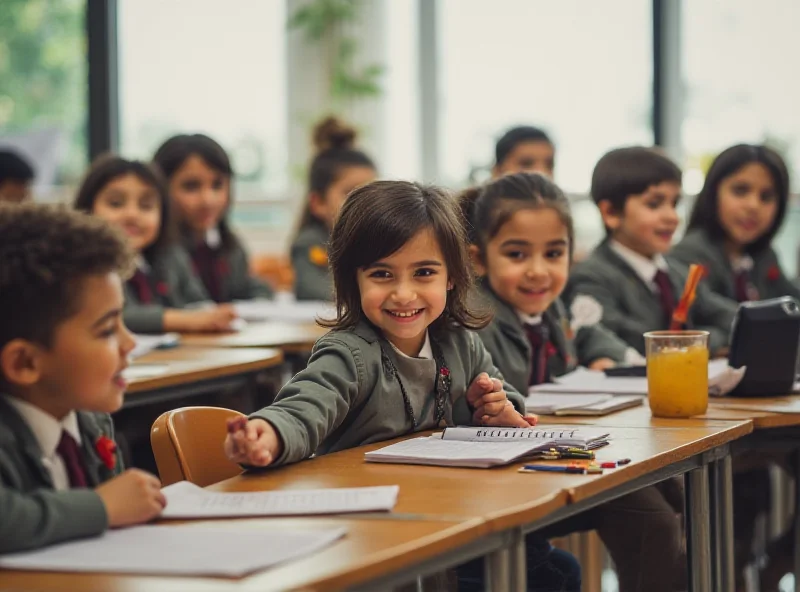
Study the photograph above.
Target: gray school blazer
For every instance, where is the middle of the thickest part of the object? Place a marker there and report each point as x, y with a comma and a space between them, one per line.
345, 397
312, 278
510, 349
767, 276
177, 285
631, 308
33, 513
236, 281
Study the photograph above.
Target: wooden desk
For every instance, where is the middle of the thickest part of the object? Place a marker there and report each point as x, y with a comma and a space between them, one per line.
183, 371
290, 337
371, 549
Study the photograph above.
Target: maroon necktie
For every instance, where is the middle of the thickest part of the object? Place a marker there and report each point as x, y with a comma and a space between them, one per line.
665, 294
538, 338
73, 461
141, 284
745, 291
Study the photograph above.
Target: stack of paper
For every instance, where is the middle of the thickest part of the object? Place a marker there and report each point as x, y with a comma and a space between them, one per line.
285, 311
722, 379
147, 343
454, 453
579, 404
232, 550
186, 500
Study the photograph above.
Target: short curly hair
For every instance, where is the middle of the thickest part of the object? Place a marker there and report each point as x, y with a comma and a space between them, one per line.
46, 252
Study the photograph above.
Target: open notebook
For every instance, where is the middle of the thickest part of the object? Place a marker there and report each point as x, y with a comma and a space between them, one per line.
484, 447
579, 404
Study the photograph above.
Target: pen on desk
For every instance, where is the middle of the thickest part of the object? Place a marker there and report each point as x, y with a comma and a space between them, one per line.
554, 469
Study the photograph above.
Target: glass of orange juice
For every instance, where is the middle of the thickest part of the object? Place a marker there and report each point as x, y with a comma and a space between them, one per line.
677, 372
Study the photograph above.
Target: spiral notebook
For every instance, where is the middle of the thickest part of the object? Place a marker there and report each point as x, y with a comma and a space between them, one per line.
485, 447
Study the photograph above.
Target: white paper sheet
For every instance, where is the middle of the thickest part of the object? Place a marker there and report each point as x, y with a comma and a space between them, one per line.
453, 453
186, 500
548, 403
144, 371
147, 343
210, 550
721, 380
285, 311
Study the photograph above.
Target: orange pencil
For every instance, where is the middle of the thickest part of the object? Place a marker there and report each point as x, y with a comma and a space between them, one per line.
681, 313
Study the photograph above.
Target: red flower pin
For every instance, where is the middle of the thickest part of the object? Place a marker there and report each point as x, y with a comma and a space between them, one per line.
162, 289
550, 350
106, 449
773, 273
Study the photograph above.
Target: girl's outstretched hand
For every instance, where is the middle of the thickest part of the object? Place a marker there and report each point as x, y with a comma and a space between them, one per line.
252, 442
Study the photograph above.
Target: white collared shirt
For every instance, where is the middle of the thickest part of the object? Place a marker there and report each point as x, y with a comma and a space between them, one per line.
47, 431
645, 268
426, 353
213, 237
742, 263
529, 319
142, 264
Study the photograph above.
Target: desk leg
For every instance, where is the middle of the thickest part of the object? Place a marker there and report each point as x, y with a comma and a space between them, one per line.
518, 559
724, 529
697, 529
498, 570
796, 521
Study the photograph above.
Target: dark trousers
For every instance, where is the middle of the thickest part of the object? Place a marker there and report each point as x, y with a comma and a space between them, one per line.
643, 533
549, 569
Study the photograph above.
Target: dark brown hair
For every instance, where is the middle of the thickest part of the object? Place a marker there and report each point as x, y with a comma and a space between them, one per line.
47, 252
108, 167
172, 155
487, 208
334, 142
376, 221
516, 136
628, 171
705, 211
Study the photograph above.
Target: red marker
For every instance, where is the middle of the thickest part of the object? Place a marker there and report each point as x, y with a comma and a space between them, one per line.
608, 465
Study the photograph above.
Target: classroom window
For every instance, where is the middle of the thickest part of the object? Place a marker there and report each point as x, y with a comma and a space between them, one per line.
739, 64
43, 99
210, 67
582, 71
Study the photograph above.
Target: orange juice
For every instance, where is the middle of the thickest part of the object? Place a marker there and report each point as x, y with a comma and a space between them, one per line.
677, 381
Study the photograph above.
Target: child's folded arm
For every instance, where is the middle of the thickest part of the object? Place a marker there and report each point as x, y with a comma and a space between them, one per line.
316, 401
713, 313
45, 517
596, 341
482, 362
143, 318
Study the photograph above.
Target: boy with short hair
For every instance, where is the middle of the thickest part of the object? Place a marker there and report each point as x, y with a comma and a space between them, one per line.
63, 348
637, 190
16, 176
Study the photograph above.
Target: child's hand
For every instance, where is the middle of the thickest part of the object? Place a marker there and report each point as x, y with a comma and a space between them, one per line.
510, 418
133, 497
254, 442
482, 385
601, 364
216, 319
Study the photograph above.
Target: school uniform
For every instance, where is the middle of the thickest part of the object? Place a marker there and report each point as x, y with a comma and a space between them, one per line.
755, 276
312, 278
170, 282
47, 471
641, 530
225, 273
357, 389
351, 392
533, 350
637, 295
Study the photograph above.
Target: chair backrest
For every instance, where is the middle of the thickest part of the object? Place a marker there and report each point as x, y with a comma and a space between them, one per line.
187, 444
